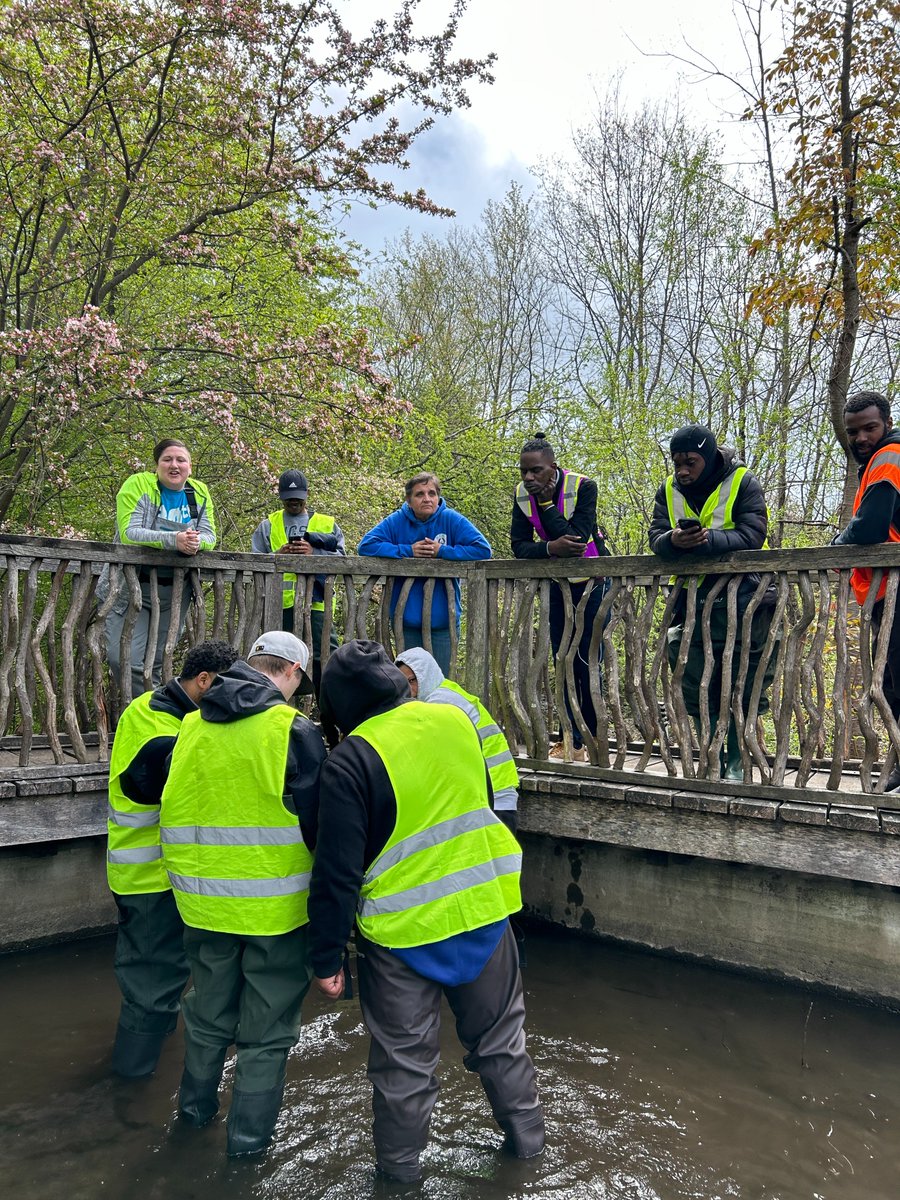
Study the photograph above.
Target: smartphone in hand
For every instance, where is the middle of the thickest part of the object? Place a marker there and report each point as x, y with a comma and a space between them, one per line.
688, 523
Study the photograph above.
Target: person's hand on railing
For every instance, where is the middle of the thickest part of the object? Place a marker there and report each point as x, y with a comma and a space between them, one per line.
188, 541
426, 548
566, 546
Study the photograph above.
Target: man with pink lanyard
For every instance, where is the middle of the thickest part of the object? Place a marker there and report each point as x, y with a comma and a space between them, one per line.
555, 515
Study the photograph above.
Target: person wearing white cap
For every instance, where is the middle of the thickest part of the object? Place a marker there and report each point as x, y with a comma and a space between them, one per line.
295, 529
237, 826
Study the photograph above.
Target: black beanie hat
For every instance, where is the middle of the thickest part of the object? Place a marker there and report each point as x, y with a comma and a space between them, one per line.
695, 439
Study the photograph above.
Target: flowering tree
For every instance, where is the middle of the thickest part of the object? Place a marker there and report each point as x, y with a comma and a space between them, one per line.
160, 259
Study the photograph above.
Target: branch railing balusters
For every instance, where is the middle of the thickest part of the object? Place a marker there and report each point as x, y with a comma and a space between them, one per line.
57, 699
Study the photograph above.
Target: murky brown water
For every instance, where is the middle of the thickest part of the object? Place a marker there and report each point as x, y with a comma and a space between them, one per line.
661, 1081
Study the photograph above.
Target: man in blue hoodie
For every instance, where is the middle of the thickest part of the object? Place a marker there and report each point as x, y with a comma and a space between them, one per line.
425, 527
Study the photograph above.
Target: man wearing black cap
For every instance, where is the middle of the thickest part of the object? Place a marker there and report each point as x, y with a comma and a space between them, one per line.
711, 506
237, 828
296, 530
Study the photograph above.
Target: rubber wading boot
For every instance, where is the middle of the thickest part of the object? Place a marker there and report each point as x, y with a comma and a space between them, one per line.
398, 1172
136, 1054
198, 1099
734, 765
525, 1135
251, 1121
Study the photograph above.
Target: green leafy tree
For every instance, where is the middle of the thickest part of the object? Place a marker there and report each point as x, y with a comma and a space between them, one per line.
835, 83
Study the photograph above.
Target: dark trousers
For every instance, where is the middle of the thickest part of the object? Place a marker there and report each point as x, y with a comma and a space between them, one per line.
402, 1012
891, 681
316, 621
150, 963
582, 667
247, 991
696, 658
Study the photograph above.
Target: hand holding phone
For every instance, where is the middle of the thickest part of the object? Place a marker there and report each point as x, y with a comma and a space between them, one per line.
689, 523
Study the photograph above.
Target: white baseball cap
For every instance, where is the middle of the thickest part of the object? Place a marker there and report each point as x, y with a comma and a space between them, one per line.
284, 645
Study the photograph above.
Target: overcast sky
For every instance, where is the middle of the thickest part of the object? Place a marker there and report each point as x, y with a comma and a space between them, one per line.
553, 58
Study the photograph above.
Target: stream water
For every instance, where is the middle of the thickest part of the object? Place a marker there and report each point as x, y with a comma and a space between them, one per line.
661, 1080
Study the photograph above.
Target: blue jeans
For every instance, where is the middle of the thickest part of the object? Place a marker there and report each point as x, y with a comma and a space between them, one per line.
440, 643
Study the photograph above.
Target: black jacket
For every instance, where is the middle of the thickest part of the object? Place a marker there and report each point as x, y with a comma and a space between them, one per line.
751, 523
357, 806
143, 779
524, 537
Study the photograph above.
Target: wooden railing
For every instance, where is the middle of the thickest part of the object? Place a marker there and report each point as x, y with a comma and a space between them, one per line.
829, 726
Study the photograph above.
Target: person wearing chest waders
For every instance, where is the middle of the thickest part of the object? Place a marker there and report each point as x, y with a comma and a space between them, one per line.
711, 505
150, 964
427, 683
555, 516
410, 849
238, 826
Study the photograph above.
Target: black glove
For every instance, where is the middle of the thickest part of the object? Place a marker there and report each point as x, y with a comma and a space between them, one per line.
510, 818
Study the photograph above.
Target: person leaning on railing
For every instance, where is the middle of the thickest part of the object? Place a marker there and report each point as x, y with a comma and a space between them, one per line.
426, 527
296, 529
555, 516
876, 518
712, 505
166, 510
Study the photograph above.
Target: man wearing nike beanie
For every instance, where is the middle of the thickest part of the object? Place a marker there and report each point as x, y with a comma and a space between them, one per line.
710, 506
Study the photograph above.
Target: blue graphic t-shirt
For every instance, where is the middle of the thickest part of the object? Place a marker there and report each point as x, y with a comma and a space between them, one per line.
174, 507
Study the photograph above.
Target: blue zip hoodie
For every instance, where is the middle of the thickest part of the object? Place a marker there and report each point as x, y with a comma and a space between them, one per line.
393, 538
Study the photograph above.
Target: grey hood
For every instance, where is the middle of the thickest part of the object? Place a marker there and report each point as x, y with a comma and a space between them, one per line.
423, 665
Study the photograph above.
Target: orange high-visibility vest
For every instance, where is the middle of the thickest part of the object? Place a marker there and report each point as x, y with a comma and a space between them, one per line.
884, 464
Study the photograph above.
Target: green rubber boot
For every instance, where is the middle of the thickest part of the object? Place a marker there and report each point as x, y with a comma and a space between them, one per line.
734, 764
198, 1099
251, 1121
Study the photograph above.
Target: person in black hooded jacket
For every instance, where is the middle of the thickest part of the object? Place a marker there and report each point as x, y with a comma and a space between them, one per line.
414, 773
238, 826
712, 505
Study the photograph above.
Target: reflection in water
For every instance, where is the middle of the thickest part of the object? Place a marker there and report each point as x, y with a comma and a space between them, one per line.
660, 1080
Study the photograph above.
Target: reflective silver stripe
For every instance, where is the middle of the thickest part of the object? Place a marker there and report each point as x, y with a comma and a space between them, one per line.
444, 695
287, 585
717, 516
135, 820
506, 799
488, 731
886, 456
679, 507
449, 885
143, 854
285, 885
231, 835
494, 760
480, 818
